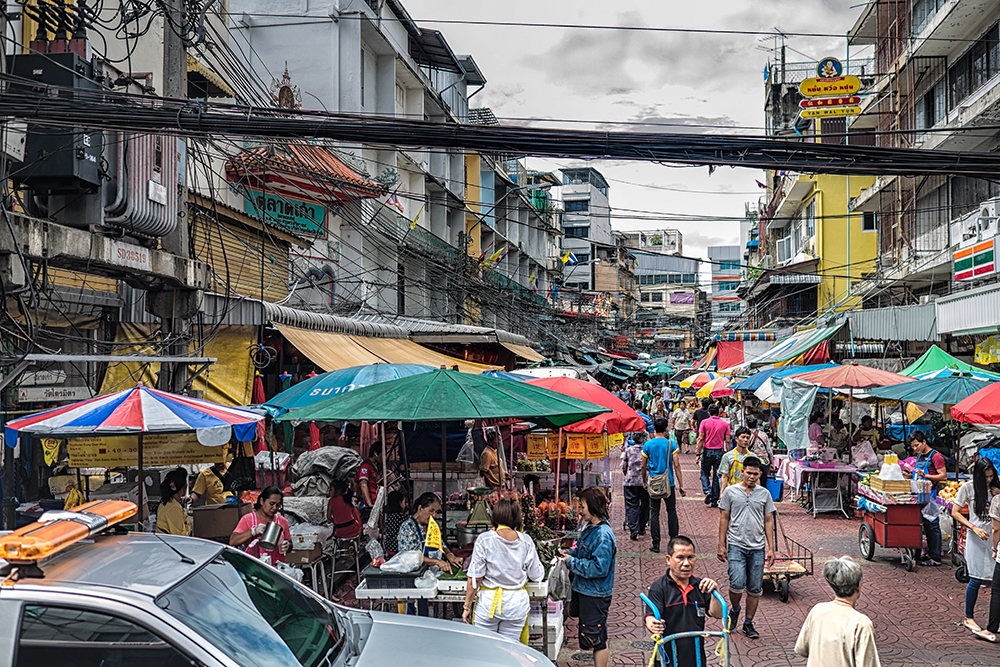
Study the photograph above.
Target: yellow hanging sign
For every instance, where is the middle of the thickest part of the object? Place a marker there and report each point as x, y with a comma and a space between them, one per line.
830, 112
596, 446
616, 439
841, 85
576, 446
50, 446
159, 449
537, 447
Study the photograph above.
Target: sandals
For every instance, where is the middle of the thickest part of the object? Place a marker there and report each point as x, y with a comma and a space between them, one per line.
986, 636
930, 563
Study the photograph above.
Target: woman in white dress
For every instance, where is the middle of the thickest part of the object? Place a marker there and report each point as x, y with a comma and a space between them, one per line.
976, 494
502, 562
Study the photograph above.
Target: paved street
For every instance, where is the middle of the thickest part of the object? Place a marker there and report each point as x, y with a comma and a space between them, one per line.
915, 614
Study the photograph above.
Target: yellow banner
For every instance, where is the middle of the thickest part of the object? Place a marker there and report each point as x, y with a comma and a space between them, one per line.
576, 446
596, 448
616, 439
841, 85
157, 450
829, 112
554, 443
537, 449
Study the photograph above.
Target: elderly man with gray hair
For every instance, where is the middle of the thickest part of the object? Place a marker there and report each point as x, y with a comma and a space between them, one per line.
835, 634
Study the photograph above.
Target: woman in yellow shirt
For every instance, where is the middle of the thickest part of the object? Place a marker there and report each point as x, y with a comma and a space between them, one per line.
171, 517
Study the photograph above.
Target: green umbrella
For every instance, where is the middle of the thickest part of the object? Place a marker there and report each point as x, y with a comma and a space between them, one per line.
445, 395
660, 368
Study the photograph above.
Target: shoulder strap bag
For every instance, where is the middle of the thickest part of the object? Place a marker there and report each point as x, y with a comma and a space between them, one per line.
658, 486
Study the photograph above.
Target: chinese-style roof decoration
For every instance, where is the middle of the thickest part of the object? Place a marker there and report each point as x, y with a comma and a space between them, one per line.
304, 172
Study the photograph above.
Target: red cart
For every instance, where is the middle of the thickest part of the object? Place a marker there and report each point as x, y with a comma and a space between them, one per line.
899, 527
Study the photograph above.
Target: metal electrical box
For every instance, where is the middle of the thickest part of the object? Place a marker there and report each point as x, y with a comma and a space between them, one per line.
57, 159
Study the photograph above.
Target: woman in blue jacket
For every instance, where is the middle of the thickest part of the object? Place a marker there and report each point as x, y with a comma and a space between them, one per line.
592, 563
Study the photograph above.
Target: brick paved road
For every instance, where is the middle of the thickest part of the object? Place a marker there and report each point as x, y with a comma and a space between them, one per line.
915, 614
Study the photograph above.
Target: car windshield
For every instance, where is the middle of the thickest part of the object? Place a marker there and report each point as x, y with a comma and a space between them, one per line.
254, 615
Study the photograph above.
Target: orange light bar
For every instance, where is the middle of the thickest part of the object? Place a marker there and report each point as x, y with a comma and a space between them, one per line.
48, 536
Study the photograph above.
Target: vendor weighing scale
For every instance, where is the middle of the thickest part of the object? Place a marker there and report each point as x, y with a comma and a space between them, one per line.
479, 519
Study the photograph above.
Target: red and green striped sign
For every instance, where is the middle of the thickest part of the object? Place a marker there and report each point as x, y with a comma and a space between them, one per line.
975, 261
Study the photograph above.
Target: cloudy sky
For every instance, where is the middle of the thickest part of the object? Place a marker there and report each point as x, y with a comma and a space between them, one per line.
643, 81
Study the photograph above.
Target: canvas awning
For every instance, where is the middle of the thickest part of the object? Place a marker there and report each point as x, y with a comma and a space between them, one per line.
329, 351
405, 351
796, 344
523, 351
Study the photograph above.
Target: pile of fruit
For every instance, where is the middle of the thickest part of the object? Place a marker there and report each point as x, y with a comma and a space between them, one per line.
947, 490
525, 465
538, 531
557, 515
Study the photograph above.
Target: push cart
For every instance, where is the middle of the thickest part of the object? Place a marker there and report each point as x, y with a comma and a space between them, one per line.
790, 562
898, 527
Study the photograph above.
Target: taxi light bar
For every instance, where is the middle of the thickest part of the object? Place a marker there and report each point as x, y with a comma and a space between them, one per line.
59, 529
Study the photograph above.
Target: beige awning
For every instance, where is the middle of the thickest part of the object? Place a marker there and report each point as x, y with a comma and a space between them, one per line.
405, 351
329, 351
523, 351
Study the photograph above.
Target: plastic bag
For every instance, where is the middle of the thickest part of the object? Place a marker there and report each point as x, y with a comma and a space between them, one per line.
560, 587
374, 549
289, 571
427, 580
863, 456
403, 562
468, 452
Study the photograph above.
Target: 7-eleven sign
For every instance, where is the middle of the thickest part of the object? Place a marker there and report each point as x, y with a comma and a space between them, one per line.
975, 260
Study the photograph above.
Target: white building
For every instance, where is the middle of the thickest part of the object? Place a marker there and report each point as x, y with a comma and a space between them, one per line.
586, 223
726, 262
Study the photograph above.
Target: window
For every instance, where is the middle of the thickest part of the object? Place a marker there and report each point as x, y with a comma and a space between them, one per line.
974, 68
577, 205
932, 105
923, 12
577, 232
868, 221
582, 257
656, 297
578, 286
727, 286
967, 193
78, 638
784, 249
689, 278
729, 266
810, 219
644, 297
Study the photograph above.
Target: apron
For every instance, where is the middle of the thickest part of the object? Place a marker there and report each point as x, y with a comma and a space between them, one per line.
930, 511
978, 556
496, 607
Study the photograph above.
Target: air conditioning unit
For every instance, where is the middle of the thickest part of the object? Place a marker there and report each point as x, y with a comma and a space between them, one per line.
553, 264
766, 262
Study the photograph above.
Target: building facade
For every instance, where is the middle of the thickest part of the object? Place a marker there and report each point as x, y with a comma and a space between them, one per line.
586, 223
727, 268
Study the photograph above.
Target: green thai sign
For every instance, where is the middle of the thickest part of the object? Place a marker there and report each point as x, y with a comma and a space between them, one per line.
298, 217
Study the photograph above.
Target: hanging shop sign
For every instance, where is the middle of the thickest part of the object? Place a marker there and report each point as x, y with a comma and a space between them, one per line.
576, 446
830, 102
596, 446
296, 216
537, 447
829, 68
837, 86
53, 394
976, 260
830, 112
158, 449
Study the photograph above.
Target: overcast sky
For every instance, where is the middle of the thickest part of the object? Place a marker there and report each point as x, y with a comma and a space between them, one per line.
684, 82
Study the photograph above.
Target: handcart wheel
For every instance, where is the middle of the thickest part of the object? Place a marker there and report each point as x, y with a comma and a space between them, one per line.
783, 589
909, 562
962, 574
866, 541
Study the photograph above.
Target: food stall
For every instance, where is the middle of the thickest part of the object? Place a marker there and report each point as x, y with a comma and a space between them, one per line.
891, 513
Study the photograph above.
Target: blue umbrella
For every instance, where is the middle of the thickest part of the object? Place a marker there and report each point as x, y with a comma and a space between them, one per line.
504, 375
341, 381
984, 376
755, 381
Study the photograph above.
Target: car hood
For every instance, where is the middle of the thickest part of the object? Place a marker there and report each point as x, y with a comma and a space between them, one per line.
414, 641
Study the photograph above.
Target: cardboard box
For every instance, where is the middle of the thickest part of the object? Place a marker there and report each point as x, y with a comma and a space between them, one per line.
216, 522
303, 556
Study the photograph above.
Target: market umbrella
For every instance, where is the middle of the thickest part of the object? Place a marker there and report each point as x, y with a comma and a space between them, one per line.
138, 411
935, 359
940, 391
619, 418
698, 380
659, 368
983, 376
504, 375
756, 380
717, 388
983, 407
851, 376
319, 387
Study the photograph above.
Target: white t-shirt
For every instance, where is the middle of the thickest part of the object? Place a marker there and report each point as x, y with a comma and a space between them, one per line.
505, 564
966, 496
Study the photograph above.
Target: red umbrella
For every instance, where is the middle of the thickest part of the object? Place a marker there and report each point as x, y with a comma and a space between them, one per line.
983, 407
851, 376
621, 419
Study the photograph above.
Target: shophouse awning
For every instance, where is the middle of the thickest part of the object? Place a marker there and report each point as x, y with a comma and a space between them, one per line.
523, 351
405, 351
903, 323
329, 351
796, 345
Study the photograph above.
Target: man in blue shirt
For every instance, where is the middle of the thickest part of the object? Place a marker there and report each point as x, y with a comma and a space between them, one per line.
637, 406
661, 455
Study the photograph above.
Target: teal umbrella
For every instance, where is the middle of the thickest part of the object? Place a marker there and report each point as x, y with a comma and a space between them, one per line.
935, 391
334, 383
660, 368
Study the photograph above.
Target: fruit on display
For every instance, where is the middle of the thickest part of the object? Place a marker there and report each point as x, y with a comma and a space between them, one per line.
947, 490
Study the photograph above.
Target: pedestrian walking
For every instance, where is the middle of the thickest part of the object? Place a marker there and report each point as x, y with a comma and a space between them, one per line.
660, 456
835, 634
683, 600
592, 563
731, 465
701, 414
976, 495
746, 541
712, 436
636, 497
930, 466
681, 424
637, 406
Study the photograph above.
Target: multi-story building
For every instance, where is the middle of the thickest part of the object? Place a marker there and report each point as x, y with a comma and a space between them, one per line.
586, 223
727, 267
614, 274
664, 241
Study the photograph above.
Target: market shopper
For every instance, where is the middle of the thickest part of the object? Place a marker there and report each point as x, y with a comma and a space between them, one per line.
976, 495
662, 456
731, 466
392, 519
680, 420
993, 625
683, 600
760, 444
212, 483
592, 563
341, 512
835, 634
503, 560
251, 526
636, 496
713, 433
171, 518
868, 432
491, 465
637, 406
816, 437
746, 541
930, 465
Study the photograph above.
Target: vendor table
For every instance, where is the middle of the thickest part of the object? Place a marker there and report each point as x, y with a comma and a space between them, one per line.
823, 498
453, 590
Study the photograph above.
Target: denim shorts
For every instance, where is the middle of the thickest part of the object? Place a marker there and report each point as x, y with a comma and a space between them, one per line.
746, 571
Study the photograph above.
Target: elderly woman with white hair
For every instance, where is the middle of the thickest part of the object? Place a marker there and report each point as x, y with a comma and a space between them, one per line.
835, 634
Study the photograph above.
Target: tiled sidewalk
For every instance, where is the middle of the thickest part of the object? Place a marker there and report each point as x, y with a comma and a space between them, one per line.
915, 614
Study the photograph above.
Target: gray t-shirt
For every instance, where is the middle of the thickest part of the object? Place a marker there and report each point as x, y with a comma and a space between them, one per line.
746, 515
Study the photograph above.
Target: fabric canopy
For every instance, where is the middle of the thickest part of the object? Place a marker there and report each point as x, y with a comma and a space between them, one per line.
523, 351
796, 405
935, 359
937, 391
338, 382
619, 419
983, 407
405, 351
795, 345
755, 381
851, 376
738, 352
329, 351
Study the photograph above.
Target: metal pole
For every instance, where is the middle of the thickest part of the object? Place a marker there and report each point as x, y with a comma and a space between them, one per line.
142, 484
444, 479
9, 497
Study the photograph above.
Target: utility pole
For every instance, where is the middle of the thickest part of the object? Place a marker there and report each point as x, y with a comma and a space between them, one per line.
9, 503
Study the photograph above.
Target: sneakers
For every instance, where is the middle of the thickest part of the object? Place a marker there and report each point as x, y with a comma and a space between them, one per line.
734, 617
749, 630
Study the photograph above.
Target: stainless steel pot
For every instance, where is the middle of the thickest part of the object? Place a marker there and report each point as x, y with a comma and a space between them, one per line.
269, 538
467, 536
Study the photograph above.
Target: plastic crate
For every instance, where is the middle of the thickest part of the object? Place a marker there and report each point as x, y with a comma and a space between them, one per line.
377, 579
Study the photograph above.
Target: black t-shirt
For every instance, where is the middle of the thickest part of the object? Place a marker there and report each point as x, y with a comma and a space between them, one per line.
700, 415
681, 611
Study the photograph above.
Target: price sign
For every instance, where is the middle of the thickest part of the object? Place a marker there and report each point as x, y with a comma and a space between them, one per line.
537, 447
576, 446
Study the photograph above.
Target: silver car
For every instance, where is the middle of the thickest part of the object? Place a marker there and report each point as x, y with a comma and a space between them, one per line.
142, 600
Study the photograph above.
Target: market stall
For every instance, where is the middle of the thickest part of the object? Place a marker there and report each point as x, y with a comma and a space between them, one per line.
891, 510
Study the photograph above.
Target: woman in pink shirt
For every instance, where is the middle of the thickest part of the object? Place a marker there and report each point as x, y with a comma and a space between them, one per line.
251, 526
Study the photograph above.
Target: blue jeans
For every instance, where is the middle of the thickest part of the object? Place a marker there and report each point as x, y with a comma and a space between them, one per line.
746, 571
932, 530
972, 596
710, 460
